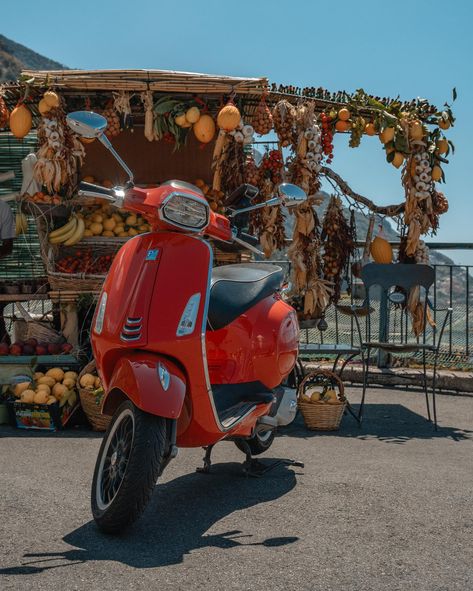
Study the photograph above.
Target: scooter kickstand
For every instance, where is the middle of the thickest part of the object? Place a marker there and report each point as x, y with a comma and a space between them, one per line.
254, 468
207, 461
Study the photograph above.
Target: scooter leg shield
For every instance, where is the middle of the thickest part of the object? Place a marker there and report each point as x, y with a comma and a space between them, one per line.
152, 382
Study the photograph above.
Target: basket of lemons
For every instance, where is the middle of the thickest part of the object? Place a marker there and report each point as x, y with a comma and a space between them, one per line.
321, 400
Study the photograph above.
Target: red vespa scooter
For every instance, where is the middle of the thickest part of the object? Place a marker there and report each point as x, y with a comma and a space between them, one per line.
189, 355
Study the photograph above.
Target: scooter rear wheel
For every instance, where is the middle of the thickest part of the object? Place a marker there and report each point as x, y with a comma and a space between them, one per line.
127, 467
258, 444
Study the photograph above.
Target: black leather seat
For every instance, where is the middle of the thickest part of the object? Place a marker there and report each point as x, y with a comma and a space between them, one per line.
237, 288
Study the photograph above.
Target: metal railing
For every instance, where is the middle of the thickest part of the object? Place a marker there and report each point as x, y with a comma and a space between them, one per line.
452, 288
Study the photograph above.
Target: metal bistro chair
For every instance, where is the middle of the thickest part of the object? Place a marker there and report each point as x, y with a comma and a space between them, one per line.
395, 282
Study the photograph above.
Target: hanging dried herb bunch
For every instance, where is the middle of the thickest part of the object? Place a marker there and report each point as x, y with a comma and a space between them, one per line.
310, 293
4, 114
268, 224
232, 165
338, 242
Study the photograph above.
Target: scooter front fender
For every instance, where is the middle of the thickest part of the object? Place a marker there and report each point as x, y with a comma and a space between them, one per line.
152, 382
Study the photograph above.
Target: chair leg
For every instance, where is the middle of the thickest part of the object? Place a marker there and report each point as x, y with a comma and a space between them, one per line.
335, 363
366, 366
434, 384
426, 392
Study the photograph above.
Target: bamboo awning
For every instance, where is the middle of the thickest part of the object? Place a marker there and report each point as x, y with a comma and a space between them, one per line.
141, 80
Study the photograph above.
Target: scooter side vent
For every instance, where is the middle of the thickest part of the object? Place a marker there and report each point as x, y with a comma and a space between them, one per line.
131, 330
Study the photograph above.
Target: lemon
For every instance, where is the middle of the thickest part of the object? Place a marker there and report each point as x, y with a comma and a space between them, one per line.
109, 224
387, 135
442, 146
397, 160
96, 228
436, 173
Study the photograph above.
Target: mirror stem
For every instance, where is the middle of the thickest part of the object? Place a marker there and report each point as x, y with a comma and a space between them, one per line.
106, 142
269, 203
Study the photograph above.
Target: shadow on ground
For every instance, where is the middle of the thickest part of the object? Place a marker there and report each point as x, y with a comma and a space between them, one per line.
174, 524
392, 423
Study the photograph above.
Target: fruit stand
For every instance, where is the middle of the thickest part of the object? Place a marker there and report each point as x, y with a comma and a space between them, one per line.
204, 130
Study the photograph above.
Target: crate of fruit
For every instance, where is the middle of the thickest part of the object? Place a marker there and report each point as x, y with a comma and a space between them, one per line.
44, 400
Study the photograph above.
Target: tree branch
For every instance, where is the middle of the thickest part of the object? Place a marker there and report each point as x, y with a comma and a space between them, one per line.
389, 210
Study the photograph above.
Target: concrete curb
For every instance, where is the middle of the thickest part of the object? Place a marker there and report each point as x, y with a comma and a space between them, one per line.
451, 381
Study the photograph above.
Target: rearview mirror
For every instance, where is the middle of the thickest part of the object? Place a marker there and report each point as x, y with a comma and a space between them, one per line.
87, 123
291, 195
92, 125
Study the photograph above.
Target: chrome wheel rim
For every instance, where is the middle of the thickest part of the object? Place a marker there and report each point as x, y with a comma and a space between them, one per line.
114, 461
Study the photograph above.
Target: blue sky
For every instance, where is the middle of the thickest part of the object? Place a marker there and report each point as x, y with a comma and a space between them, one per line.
410, 48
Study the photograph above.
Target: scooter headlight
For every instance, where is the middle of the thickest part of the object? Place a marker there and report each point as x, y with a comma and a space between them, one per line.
186, 212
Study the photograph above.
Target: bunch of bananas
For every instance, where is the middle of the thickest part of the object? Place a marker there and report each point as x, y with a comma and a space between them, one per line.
70, 233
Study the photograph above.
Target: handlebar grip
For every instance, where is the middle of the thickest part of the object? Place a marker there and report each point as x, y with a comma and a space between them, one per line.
91, 188
253, 240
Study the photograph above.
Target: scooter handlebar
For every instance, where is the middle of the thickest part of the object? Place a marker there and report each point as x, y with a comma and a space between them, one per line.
92, 190
115, 195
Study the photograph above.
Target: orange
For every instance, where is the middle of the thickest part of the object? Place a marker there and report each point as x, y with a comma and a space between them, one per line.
344, 114
342, 125
369, 129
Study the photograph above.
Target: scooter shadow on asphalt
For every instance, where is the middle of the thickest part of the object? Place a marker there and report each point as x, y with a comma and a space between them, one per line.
175, 522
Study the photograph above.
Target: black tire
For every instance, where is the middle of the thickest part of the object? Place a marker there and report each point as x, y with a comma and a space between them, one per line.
258, 444
122, 486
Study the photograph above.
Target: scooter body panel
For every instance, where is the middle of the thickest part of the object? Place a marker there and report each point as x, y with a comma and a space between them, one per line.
260, 345
150, 284
151, 281
152, 382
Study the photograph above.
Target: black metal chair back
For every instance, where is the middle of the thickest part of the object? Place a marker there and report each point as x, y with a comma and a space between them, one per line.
395, 282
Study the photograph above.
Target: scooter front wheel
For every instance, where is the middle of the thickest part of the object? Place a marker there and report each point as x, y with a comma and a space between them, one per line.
258, 444
127, 467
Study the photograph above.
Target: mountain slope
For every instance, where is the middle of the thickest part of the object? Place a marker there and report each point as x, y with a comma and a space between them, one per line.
14, 57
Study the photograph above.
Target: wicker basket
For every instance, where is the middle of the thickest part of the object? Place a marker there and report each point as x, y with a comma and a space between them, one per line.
39, 330
91, 404
322, 416
88, 282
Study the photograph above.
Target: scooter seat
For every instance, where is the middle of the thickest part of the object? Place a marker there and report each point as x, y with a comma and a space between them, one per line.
234, 289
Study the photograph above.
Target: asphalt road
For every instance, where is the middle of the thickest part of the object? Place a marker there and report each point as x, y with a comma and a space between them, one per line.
385, 508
